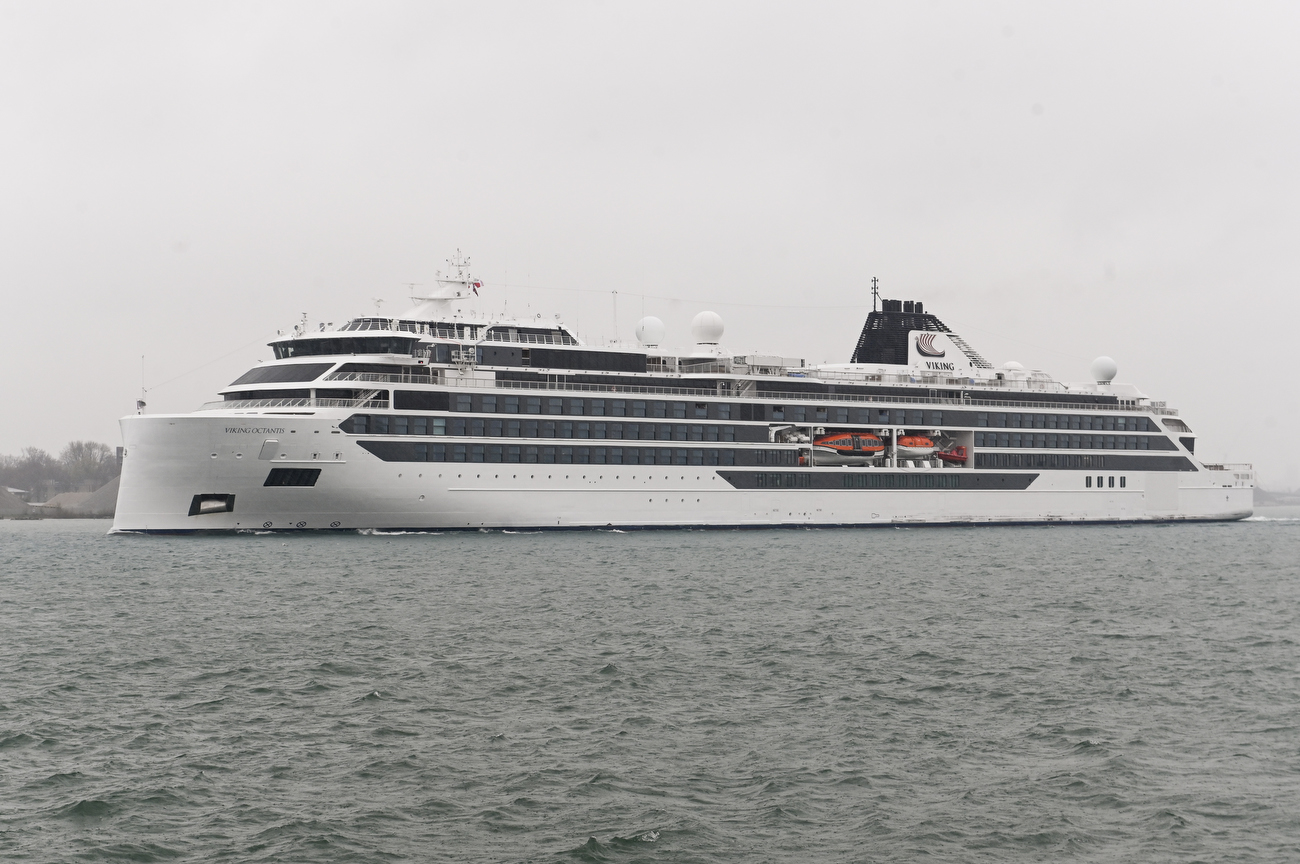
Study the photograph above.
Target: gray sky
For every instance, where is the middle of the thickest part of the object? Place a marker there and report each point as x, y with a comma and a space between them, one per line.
1055, 181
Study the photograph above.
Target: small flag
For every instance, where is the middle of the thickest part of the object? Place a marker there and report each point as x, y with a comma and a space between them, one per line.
475, 285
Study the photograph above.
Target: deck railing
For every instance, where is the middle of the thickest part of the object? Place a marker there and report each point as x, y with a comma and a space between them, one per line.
532, 338
729, 392
735, 392
385, 377
245, 404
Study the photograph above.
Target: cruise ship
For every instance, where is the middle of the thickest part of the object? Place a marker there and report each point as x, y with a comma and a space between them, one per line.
445, 419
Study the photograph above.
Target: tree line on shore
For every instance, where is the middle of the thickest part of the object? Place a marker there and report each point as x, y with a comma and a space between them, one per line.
81, 466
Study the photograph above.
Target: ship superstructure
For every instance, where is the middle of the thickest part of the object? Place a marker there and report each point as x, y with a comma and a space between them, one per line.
441, 419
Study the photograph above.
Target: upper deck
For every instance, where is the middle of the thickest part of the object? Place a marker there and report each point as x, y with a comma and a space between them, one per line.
904, 355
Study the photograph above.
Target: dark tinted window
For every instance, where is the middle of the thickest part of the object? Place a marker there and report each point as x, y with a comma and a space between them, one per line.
269, 394
344, 345
276, 374
606, 361
415, 400
292, 477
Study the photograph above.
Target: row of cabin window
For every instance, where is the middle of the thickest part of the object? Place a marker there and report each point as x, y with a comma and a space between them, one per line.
1040, 460
902, 481
333, 345
911, 417
776, 457
926, 418
592, 407
490, 427
785, 480
691, 410
1106, 423
1052, 441
527, 454
1087, 482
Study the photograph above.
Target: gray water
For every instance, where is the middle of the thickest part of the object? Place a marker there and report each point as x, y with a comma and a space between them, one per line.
990, 694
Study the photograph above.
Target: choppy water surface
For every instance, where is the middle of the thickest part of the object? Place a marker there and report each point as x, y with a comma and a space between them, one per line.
874, 695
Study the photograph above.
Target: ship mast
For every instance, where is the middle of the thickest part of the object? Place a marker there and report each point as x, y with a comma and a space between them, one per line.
457, 285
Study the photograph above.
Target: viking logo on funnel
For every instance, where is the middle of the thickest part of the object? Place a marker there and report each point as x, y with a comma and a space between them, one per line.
925, 345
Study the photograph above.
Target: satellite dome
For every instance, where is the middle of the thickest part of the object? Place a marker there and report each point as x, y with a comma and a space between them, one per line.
1012, 366
1104, 370
706, 328
650, 331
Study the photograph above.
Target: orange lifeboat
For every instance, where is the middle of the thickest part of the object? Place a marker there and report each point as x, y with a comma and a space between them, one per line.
846, 448
916, 447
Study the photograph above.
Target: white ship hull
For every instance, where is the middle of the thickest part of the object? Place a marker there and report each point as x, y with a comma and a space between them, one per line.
172, 459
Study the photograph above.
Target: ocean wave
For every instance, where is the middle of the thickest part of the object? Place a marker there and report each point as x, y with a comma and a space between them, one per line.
721, 696
379, 532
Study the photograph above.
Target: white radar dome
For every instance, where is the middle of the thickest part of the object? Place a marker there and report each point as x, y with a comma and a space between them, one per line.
706, 328
1012, 366
1104, 370
650, 331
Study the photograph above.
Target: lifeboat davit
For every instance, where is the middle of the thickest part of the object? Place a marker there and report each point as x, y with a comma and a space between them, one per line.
915, 447
847, 448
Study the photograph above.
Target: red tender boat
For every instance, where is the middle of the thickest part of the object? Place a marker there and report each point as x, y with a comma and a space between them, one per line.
955, 456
